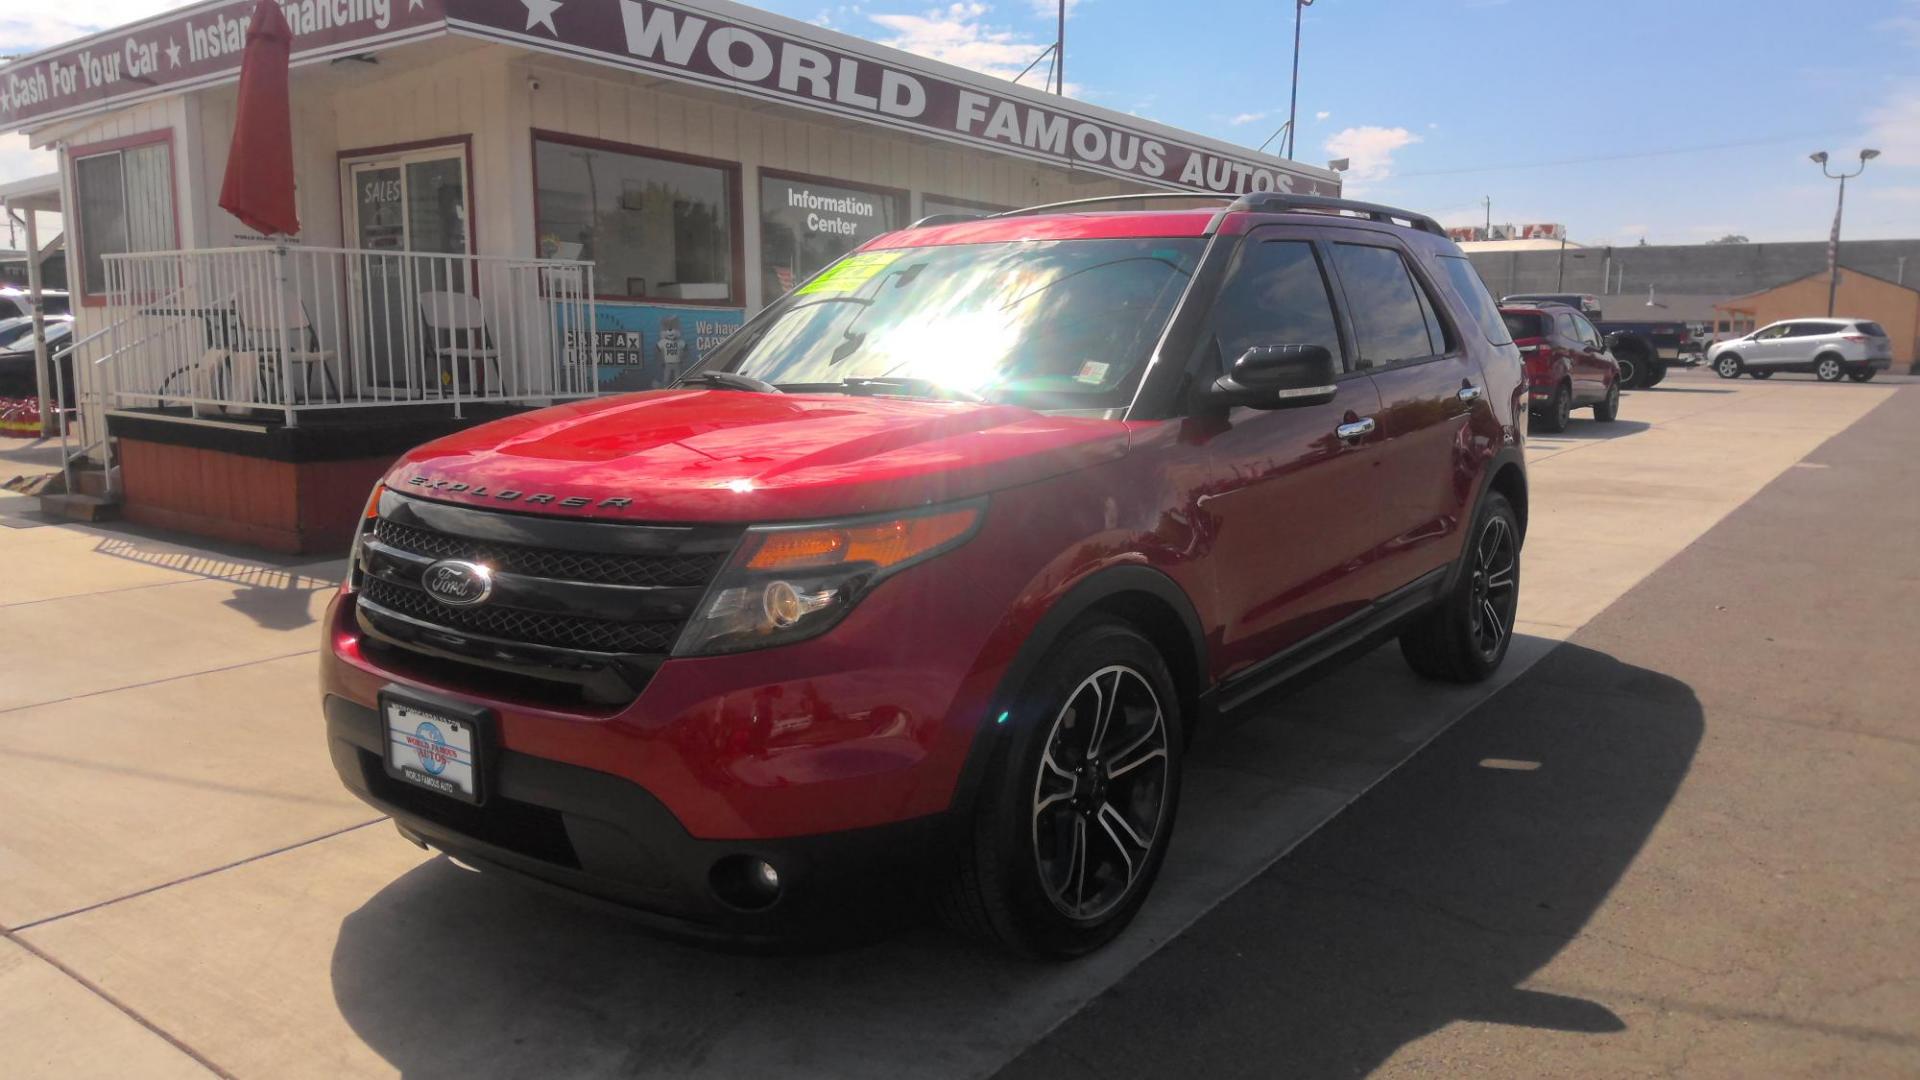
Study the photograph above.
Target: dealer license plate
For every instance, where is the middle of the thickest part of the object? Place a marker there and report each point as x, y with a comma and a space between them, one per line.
436, 751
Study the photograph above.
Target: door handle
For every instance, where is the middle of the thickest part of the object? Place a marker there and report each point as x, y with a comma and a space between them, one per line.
1356, 429
1469, 394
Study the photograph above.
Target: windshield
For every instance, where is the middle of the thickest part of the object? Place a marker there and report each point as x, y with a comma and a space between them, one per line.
1065, 324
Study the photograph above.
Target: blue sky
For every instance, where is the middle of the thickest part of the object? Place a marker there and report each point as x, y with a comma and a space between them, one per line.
1689, 119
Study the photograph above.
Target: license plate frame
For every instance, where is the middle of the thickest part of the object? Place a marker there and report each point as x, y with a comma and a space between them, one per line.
464, 729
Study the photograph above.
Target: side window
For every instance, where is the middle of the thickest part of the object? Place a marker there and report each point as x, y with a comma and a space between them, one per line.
1466, 281
1564, 326
1276, 295
1584, 331
1773, 332
1388, 318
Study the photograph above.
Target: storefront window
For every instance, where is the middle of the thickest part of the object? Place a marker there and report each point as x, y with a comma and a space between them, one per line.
656, 228
125, 202
804, 225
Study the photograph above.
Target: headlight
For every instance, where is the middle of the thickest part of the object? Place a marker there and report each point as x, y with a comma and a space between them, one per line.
360, 529
787, 583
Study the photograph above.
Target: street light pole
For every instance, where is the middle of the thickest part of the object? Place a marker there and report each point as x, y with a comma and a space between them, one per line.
1293, 96
1839, 207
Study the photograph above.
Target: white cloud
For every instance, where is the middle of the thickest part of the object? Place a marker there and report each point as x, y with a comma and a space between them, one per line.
1894, 127
1246, 118
1370, 149
1322, 115
27, 27
18, 161
959, 34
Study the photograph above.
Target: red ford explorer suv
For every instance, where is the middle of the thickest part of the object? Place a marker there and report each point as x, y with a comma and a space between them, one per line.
929, 575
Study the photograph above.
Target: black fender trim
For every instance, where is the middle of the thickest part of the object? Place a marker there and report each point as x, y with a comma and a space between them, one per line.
1077, 601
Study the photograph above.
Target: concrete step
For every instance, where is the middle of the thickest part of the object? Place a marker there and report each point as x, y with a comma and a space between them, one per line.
80, 507
91, 482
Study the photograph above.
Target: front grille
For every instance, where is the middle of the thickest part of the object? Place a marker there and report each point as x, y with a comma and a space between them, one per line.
531, 627
597, 568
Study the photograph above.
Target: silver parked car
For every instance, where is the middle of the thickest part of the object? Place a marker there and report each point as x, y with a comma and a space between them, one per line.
1830, 348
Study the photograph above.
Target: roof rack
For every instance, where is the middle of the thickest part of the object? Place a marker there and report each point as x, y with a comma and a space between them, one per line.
1270, 202
1267, 202
1082, 204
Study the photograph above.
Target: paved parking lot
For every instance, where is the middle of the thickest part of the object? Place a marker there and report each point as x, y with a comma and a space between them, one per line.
1707, 858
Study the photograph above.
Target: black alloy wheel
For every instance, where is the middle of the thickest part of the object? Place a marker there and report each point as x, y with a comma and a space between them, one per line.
1495, 585
1464, 637
1100, 794
1072, 821
1629, 369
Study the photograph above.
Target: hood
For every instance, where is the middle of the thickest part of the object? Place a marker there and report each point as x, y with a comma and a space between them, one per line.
728, 456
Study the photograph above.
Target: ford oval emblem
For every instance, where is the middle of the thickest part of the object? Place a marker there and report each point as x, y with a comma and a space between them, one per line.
461, 584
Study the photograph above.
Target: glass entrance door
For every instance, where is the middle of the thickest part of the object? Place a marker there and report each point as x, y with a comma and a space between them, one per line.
403, 209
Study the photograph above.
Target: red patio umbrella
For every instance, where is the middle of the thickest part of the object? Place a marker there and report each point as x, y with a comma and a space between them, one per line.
258, 188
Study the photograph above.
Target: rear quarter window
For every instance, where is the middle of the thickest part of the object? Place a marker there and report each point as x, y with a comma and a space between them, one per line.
1466, 282
1523, 324
1871, 329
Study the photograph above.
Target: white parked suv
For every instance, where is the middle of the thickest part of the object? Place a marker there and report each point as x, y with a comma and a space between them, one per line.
1830, 348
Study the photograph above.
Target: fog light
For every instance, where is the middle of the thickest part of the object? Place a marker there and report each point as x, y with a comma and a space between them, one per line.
744, 882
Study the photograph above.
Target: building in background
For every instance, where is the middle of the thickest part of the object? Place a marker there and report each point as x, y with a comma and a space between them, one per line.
1894, 306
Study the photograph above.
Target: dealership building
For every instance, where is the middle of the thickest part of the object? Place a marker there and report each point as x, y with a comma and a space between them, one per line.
503, 203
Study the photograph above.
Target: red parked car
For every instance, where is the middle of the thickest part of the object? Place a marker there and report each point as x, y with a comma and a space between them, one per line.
1568, 365
932, 571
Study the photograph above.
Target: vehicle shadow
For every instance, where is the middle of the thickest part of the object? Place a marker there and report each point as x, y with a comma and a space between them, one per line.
1682, 390
1594, 431
1436, 899
1474, 878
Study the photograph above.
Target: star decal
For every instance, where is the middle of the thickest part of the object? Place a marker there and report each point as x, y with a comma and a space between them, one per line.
173, 54
415, 5
540, 13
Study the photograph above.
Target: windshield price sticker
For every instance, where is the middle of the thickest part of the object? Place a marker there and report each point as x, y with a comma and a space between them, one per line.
850, 273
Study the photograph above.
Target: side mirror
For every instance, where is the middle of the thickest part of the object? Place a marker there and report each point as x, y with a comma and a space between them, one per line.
1276, 377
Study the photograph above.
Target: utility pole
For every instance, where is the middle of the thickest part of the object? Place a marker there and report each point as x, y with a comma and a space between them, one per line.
1839, 207
1488, 200
1060, 53
1293, 95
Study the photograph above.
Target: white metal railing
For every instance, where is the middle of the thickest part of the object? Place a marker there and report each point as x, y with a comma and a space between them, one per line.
291, 328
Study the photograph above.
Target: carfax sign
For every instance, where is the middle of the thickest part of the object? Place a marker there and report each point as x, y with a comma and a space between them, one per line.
647, 346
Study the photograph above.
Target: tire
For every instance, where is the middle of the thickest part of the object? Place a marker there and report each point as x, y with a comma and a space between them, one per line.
1457, 641
1559, 410
1728, 366
1829, 368
1630, 368
1018, 882
1609, 410
1861, 376
1761, 374
1656, 374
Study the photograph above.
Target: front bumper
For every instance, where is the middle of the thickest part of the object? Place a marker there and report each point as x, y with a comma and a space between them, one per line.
595, 834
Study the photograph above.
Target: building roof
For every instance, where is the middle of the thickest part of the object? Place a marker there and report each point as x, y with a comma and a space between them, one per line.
32, 193
1845, 269
711, 43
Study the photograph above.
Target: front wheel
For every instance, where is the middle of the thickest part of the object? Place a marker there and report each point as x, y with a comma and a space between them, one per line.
1609, 410
1077, 809
1861, 376
1829, 369
1464, 637
1727, 367
1629, 369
